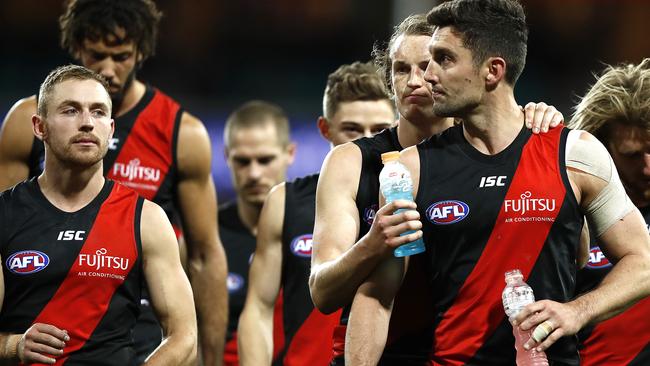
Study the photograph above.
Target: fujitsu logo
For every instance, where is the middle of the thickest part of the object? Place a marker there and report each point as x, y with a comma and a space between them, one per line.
133, 170
100, 260
526, 203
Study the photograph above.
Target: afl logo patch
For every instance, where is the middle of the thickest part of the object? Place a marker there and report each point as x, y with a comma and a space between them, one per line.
447, 212
27, 261
234, 282
597, 259
301, 246
369, 214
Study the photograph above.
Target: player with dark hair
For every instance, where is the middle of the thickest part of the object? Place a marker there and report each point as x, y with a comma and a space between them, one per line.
489, 204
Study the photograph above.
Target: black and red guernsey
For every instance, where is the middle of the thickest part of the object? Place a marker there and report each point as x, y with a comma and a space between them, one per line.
623, 339
239, 245
411, 326
142, 156
142, 153
307, 331
79, 271
485, 215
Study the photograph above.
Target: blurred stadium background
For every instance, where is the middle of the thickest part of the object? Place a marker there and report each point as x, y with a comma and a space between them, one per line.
213, 55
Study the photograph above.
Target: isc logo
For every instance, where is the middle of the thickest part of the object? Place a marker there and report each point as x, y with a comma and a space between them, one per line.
493, 181
301, 246
27, 261
447, 212
597, 259
71, 235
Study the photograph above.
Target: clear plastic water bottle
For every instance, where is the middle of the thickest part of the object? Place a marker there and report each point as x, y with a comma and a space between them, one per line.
516, 295
395, 184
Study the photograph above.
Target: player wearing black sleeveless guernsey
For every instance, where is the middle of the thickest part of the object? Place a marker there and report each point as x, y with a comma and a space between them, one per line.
159, 150
355, 104
76, 246
259, 151
481, 189
347, 197
613, 111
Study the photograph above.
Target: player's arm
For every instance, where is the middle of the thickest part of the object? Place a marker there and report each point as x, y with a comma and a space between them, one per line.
197, 200
339, 265
255, 335
16, 139
170, 290
622, 235
367, 328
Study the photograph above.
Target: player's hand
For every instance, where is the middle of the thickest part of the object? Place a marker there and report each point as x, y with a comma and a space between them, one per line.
549, 321
541, 117
387, 227
40, 342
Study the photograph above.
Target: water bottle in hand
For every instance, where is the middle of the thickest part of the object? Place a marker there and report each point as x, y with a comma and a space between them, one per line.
395, 184
516, 296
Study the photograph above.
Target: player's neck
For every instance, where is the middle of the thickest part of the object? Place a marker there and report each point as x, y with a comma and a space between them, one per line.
132, 97
249, 214
411, 133
494, 124
68, 188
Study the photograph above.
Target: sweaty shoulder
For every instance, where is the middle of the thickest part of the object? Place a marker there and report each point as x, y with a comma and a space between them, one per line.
194, 151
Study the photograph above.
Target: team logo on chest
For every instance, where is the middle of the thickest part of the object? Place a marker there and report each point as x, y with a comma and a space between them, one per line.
369, 213
135, 175
301, 246
234, 282
447, 212
102, 265
597, 259
27, 262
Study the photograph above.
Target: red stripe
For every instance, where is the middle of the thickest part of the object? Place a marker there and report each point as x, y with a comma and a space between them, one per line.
617, 341
82, 300
312, 343
511, 245
149, 145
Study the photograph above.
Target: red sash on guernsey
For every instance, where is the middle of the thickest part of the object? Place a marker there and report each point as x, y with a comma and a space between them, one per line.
104, 262
511, 245
603, 347
146, 156
313, 340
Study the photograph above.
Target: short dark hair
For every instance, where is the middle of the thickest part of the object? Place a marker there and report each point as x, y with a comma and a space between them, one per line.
357, 81
413, 25
257, 113
97, 19
488, 28
61, 74
621, 95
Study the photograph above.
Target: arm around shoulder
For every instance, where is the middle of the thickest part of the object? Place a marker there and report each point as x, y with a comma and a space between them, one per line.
170, 291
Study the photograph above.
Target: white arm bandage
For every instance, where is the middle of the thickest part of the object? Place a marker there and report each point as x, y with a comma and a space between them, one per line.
612, 203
